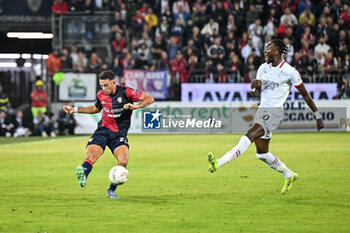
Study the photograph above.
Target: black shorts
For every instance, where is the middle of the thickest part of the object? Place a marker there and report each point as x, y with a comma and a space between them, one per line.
105, 137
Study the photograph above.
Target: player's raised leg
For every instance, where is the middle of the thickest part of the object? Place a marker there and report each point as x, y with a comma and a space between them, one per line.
121, 153
93, 152
245, 141
262, 149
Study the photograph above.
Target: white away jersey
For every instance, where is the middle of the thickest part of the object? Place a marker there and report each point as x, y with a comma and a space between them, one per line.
276, 83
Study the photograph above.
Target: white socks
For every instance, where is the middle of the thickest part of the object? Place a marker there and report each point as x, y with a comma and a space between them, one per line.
236, 151
275, 163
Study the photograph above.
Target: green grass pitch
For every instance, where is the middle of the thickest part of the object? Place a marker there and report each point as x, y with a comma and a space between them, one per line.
170, 189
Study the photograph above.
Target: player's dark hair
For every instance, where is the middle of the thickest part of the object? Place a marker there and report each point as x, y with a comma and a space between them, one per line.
280, 46
107, 74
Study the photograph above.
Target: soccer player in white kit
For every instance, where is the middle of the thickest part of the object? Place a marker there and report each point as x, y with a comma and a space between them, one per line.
273, 83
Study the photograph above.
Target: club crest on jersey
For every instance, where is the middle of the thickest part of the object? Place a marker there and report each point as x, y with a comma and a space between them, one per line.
119, 99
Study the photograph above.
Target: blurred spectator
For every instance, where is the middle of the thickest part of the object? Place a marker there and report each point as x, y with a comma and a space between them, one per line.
94, 63
249, 70
221, 72
289, 56
199, 16
74, 53
308, 36
303, 5
188, 30
336, 9
238, 14
178, 68
220, 15
247, 49
153, 66
182, 15
80, 64
137, 24
231, 25
89, 6
66, 123
255, 28
39, 99
172, 48
268, 28
3, 99
251, 15
331, 61
141, 62
168, 15
183, 4
145, 40
177, 31
292, 5
345, 15
282, 29
292, 20
6, 127
322, 47
144, 50
216, 52
44, 125
21, 127
163, 29
128, 62
163, 63
321, 6
344, 89
66, 59
193, 67
158, 47
117, 68
321, 28
209, 27
151, 20
118, 44
118, 24
274, 18
234, 67
53, 62
307, 14
59, 7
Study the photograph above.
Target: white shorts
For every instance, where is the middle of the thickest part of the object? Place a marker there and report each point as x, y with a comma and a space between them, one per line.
269, 119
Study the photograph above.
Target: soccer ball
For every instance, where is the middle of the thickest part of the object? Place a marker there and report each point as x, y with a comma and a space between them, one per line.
118, 175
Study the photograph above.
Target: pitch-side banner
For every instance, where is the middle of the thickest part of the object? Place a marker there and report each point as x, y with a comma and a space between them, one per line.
216, 92
153, 83
234, 117
77, 87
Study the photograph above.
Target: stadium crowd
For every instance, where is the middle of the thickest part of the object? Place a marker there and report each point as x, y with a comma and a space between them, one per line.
222, 41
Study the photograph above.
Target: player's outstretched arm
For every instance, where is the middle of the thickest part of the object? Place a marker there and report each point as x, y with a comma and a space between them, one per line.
255, 88
308, 100
89, 109
145, 100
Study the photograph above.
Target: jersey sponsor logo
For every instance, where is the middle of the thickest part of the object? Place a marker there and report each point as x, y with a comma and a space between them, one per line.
268, 84
119, 99
114, 115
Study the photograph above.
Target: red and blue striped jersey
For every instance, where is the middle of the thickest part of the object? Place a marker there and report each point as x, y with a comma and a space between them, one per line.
114, 116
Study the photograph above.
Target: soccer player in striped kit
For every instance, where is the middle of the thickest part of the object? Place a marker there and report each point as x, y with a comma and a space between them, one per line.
274, 80
117, 102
